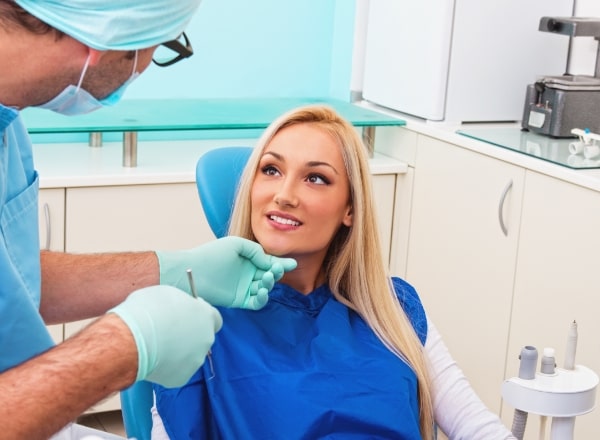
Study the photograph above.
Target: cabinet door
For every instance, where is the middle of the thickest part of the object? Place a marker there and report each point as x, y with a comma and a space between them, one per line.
52, 233
557, 281
401, 223
135, 218
132, 218
384, 190
460, 260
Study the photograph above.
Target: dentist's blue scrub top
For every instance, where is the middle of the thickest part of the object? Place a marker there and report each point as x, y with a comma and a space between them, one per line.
22, 330
303, 367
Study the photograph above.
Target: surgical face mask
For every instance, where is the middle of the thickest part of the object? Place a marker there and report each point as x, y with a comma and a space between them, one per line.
74, 100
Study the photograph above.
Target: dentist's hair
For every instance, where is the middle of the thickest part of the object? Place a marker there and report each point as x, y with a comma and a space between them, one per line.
13, 15
354, 266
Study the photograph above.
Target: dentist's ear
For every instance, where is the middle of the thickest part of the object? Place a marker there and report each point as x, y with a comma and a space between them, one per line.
95, 56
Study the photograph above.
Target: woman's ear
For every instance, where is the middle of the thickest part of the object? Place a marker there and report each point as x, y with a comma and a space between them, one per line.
347, 220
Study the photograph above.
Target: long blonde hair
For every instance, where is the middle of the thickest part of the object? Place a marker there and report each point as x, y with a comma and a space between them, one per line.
354, 266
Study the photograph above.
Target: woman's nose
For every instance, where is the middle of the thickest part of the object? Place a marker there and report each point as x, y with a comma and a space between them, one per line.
285, 196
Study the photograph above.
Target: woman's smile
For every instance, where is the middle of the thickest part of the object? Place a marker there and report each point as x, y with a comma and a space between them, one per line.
285, 221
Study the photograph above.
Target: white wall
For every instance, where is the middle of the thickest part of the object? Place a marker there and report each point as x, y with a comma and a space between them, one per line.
584, 49
257, 49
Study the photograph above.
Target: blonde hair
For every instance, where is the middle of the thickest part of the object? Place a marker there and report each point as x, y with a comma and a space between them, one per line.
354, 266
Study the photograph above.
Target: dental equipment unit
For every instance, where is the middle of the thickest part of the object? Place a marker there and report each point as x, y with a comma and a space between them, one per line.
559, 393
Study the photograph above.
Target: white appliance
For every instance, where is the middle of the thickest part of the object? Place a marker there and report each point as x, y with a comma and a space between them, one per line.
459, 60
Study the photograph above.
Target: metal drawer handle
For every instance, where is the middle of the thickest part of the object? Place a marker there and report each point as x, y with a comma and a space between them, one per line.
48, 229
501, 205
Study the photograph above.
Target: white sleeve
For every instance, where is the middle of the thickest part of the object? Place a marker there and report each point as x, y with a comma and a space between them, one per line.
458, 411
158, 428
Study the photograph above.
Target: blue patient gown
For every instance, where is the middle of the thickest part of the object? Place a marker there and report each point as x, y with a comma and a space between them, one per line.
303, 367
22, 330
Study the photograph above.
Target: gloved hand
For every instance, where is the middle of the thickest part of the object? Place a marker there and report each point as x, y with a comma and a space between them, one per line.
229, 272
173, 332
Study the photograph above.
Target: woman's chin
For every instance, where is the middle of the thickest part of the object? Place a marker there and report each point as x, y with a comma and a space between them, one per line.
277, 250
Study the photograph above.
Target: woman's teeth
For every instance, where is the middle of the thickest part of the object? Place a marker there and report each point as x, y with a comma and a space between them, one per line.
284, 221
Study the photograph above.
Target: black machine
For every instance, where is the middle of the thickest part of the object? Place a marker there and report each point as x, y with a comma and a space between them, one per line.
554, 105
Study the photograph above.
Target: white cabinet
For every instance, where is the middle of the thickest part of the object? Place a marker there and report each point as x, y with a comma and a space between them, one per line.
132, 218
401, 223
119, 218
557, 281
384, 190
147, 217
492, 293
168, 216
399, 144
52, 233
460, 259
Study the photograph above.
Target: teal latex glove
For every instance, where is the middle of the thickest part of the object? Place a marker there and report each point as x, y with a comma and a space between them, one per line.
228, 272
173, 332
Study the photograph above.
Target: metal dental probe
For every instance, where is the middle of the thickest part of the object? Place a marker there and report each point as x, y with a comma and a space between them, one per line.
195, 295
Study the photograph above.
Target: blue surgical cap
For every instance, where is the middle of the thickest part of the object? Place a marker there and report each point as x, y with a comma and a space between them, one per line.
115, 24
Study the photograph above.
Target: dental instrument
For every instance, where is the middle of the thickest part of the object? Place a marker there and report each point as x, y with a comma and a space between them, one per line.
571, 347
195, 295
527, 366
559, 393
191, 281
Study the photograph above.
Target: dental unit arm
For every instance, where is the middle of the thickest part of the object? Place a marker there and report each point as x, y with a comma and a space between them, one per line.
559, 393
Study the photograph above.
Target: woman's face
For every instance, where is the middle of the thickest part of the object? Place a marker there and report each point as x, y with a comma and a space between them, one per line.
300, 195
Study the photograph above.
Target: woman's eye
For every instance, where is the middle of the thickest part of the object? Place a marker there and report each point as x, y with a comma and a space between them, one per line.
318, 179
269, 170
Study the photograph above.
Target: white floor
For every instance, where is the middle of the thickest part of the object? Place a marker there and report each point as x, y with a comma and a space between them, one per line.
110, 421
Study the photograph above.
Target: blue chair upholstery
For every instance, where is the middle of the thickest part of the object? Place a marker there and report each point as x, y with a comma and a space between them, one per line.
218, 172
136, 402
217, 175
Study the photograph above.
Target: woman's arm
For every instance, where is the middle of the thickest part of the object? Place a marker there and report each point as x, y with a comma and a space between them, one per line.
458, 411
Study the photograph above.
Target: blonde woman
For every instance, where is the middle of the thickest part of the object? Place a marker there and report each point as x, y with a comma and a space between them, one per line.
341, 350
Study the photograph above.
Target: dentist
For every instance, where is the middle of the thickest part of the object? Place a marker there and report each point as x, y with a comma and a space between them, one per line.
72, 57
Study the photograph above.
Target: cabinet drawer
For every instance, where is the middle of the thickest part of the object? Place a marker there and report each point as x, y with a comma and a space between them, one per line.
135, 218
52, 219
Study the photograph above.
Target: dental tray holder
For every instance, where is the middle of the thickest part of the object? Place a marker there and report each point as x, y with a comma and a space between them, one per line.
554, 105
562, 396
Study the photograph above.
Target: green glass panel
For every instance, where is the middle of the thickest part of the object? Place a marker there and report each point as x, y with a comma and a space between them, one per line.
536, 145
191, 114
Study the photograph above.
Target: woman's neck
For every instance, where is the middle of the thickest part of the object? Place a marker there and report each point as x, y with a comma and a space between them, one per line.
305, 278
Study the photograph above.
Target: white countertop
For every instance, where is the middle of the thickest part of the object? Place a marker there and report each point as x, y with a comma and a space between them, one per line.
78, 165
589, 178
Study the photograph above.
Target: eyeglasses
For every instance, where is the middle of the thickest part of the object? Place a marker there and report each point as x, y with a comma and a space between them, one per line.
173, 51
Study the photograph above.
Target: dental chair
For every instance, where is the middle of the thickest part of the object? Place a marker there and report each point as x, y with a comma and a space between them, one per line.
217, 175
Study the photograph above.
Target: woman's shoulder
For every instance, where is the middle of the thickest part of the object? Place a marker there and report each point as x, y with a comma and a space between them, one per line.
412, 306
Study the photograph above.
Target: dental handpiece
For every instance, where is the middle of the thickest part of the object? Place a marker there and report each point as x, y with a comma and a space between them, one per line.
571, 347
528, 363
195, 295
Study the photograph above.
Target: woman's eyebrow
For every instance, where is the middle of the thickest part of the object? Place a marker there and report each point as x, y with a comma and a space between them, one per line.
311, 164
316, 163
276, 155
